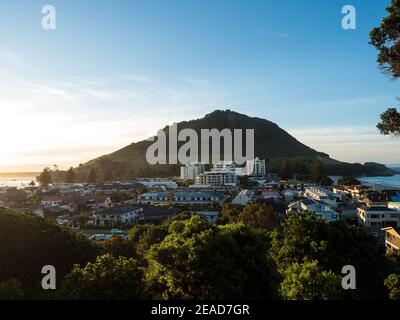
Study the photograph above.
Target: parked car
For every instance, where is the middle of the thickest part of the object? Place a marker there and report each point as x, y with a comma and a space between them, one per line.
116, 232
98, 237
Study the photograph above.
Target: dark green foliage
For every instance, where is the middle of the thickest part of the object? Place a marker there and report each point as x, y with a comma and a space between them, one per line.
29, 243
348, 181
229, 213
108, 278
92, 176
333, 245
390, 122
392, 283
11, 290
285, 171
308, 281
71, 176
258, 216
45, 178
386, 39
146, 235
200, 261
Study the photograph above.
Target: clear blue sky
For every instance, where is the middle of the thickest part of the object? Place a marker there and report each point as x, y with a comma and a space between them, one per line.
114, 71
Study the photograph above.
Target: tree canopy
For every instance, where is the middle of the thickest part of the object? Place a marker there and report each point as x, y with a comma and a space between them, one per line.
109, 277
386, 39
333, 245
200, 261
30, 242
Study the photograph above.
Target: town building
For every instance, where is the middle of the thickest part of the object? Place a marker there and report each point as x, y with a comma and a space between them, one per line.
121, 215
156, 214
321, 194
392, 240
158, 183
48, 201
244, 197
317, 208
255, 167
217, 178
191, 198
191, 170
153, 197
378, 217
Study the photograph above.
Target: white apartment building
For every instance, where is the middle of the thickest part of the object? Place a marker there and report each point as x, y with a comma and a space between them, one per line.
321, 194
255, 167
223, 173
378, 216
191, 170
217, 178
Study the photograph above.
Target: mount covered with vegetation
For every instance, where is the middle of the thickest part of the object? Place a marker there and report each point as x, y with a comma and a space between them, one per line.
271, 143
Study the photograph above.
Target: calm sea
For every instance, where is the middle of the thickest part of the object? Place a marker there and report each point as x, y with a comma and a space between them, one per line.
393, 181
17, 182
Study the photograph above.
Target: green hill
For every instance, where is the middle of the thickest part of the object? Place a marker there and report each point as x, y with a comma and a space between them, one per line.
271, 143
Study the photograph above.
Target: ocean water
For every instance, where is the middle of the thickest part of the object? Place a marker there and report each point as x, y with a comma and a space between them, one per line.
393, 181
17, 182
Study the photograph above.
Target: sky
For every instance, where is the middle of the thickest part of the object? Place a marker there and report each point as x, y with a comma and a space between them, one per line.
113, 72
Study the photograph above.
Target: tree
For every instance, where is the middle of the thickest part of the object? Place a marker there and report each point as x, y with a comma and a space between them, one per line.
201, 261
146, 235
108, 175
259, 216
45, 177
70, 178
285, 171
386, 39
32, 243
229, 213
11, 290
326, 181
107, 278
308, 281
317, 172
348, 181
333, 245
390, 122
392, 283
92, 176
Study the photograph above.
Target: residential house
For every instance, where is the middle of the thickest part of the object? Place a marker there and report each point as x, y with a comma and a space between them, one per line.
378, 217
321, 194
317, 208
118, 215
191, 198
244, 197
156, 214
392, 240
153, 197
48, 201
